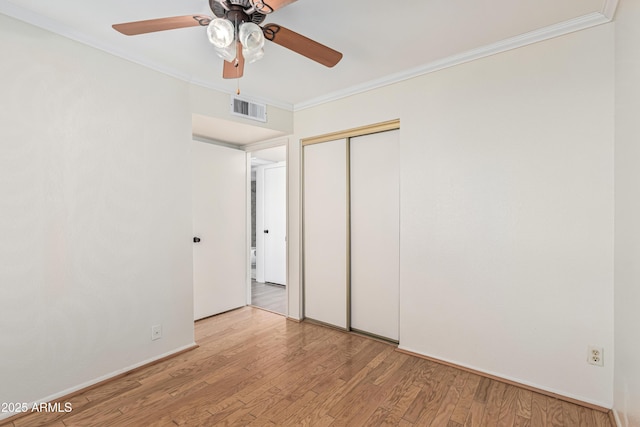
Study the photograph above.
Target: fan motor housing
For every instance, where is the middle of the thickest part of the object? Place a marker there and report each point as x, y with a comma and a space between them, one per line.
236, 11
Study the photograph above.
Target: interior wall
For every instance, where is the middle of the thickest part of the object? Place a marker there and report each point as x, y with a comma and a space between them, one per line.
95, 220
506, 258
627, 249
212, 103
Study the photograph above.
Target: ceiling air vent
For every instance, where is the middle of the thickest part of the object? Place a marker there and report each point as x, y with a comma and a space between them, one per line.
248, 109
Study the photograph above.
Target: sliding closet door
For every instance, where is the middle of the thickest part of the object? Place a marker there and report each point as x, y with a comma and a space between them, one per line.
375, 234
325, 232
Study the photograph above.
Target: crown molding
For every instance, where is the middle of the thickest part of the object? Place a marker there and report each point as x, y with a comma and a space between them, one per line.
556, 30
609, 8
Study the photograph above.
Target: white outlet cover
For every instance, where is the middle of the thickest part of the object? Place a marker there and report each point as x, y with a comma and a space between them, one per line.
156, 332
595, 355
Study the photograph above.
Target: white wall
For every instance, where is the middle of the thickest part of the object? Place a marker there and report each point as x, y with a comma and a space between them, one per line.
95, 217
627, 250
211, 103
506, 210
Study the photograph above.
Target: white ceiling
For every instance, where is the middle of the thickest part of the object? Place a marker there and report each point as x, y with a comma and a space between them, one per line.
382, 41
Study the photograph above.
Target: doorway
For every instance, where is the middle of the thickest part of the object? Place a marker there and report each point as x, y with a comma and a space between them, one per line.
268, 229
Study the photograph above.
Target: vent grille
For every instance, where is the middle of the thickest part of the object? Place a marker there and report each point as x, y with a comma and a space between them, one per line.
248, 109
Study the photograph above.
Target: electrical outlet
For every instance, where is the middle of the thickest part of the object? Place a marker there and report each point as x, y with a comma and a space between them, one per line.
595, 355
156, 332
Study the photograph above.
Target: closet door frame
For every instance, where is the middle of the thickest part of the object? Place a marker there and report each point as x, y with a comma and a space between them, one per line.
346, 135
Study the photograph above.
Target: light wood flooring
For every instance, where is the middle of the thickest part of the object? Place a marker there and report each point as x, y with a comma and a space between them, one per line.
269, 296
257, 368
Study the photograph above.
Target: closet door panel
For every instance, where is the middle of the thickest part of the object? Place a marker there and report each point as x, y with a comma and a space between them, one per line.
325, 232
375, 234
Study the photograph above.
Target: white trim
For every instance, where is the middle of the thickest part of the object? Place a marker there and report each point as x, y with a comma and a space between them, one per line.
616, 418
609, 8
100, 379
516, 380
263, 145
248, 228
216, 142
572, 25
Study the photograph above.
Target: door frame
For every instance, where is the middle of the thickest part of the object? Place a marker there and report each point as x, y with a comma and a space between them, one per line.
250, 150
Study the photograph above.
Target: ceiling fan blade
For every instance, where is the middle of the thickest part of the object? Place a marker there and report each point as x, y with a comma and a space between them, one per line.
161, 24
268, 6
235, 69
302, 45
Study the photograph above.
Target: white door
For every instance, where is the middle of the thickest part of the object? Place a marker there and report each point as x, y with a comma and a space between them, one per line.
325, 232
275, 224
375, 234
219, 212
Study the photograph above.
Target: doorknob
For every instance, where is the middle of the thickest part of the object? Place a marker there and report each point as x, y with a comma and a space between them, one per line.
196, 240
266, 231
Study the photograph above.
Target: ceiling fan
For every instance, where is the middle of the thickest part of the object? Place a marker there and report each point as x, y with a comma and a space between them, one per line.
236, 34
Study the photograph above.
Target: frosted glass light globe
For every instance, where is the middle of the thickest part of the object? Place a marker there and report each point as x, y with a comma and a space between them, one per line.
251, 36
220, 32
252, 56
228, 53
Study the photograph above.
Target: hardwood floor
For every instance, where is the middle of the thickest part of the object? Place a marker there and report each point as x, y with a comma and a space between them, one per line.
255, 368
269, 296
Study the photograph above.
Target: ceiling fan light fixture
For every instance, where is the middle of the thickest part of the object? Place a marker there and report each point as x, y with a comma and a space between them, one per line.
251, 56
251, 36
227, 53
221, 33
236, 34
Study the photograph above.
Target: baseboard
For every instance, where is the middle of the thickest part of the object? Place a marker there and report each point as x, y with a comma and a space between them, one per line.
67, 394
511, 381
614, 418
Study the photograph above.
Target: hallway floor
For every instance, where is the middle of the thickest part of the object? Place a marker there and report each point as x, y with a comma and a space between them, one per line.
269, 296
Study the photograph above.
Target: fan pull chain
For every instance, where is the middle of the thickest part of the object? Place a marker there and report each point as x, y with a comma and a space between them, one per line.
237, 42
